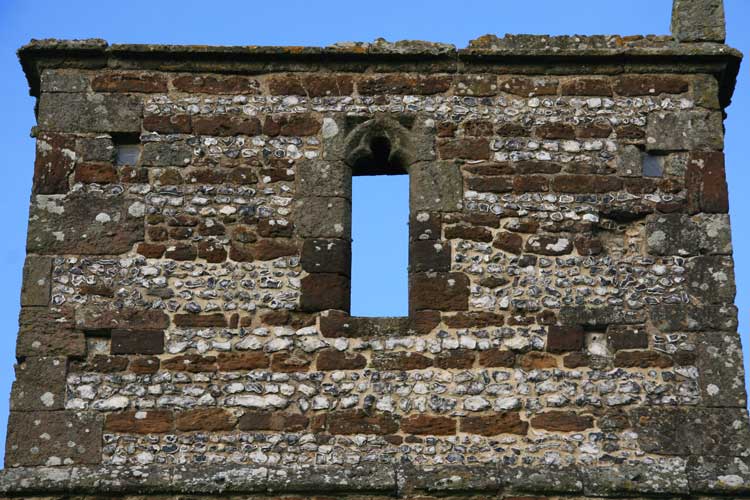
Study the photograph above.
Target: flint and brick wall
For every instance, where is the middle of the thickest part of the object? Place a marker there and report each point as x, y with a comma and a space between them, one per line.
571, 279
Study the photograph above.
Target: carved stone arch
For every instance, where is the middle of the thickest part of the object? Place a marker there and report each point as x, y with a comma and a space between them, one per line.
384, 145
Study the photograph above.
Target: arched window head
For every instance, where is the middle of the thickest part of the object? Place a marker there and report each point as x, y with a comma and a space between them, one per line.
379, 146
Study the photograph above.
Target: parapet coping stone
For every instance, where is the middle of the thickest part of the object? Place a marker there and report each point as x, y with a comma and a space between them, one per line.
667, 477
513, 50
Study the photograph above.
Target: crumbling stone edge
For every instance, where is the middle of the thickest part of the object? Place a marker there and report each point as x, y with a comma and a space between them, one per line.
670, 477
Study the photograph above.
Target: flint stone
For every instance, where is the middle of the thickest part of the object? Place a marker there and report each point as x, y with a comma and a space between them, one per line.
39, 384
37, 275
684, 131
722, 374
83, 225
53, 438
699, 21
319, 217
68, 112
599, 316
435, 186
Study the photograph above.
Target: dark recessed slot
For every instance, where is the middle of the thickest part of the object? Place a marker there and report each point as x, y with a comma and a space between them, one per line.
127, 149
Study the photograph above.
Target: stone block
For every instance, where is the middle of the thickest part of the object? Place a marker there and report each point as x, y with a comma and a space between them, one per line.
39, 384
137, 342
67, 112
321, 291
715, 233
684, 131
672, 234
722, 374
55, 160
98, 317
717, 475
84, 225
710, 279
53, 438
429, 255
164, 154
327, 256
705, 181
435, 187
438, 291
324, 178
60, 80
641, 85
37, 276
630, 161
670, 318
318, 217
698, 21
48, 332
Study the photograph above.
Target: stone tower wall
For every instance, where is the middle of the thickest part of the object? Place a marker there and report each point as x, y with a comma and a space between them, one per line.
571, 327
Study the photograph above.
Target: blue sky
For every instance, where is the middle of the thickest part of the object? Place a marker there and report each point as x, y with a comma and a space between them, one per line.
322, 22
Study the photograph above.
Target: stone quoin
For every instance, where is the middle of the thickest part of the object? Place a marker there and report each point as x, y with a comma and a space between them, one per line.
185, 327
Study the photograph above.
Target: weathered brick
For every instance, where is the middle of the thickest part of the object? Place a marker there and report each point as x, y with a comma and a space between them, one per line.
331, 359
102, 318
536, 360
137, 342
562, 421
37, 277
468, 232
565, 338
585, 183
475, 148
555, 131
428, 425
140, 422
455, 359
273, 421
530, 184
492, 425
145, 365
270, 249
356, 421
200, 320
212, 251
242, 361
439, 291
285, 362
296, 124
508, 242
168, 124
528, 87
588, 245
399, 83
476, 85
181, 251
587, 86
129, 81
206, 420
226, 125
495, 184
193, 363
497, 358
55, 160
312, 85
400, 361
99, 173
706, 183
216, 84
642, 359
636, 85
473, 320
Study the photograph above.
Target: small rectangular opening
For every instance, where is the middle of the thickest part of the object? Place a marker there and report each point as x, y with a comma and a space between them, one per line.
380, 246
127, 149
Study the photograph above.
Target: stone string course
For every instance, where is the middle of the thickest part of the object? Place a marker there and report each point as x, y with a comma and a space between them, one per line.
185, 328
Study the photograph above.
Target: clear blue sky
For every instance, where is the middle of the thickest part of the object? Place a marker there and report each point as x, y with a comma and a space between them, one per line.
322, 22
